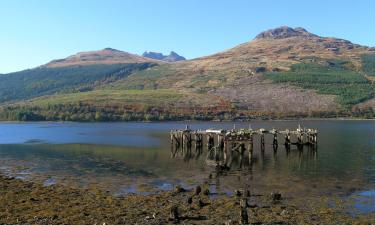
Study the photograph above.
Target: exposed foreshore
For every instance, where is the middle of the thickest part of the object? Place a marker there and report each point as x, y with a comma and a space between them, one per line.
26, 202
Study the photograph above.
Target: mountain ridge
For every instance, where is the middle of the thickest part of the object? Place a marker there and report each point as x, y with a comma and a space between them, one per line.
282, 72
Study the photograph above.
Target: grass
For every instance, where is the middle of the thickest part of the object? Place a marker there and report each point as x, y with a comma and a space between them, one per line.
145, 79
334, 79
111, 96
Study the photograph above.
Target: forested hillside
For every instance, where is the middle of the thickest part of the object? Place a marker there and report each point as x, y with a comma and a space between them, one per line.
45, 81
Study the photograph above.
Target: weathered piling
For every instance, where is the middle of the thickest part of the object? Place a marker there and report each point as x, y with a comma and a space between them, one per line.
223, 145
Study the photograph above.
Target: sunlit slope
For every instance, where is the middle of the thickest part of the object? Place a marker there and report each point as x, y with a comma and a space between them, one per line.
283, 72
46, 81
241, 75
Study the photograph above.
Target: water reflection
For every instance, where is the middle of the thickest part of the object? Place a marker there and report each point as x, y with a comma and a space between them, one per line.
241, 160
137, 156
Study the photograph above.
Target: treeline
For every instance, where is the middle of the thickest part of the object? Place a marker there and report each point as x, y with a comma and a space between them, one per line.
89, 113
368, 64
349, 86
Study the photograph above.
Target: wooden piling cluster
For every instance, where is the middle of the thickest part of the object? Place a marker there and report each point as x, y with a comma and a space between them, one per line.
221, 142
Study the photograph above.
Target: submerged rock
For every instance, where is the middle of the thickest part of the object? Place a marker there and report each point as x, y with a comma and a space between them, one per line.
198, 190
275, 196
179, 189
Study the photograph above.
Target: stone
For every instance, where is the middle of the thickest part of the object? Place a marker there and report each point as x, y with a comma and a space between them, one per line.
201, 204
190, 200
276, 196
244, 218
237, 193
173, 215
179, 189
198, 190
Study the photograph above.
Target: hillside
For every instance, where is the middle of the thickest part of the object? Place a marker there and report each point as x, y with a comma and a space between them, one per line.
108, 56
241, 74
282, 72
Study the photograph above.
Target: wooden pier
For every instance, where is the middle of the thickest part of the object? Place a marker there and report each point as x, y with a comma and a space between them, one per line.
222, 144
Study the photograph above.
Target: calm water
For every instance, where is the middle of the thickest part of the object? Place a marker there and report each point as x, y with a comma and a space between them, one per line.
135, 157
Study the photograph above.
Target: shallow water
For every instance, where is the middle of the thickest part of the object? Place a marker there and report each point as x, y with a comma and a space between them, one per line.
135, 158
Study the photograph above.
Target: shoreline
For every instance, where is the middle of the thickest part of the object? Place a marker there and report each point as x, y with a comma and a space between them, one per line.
26, 202
195, 121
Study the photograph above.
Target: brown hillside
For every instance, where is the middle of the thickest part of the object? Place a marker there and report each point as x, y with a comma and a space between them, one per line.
105, 56
236, 74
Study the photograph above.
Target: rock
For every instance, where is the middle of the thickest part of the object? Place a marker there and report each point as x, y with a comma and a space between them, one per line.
276, 196
284, 212
237, 193
229, 222
244, 218
172, 57
201, 204
33, 200
173, 215
260, 69
190, 200
179, 189
284, 32
154, 55
198, 190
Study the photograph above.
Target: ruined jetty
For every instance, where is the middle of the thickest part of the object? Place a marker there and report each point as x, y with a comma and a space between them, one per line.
223, 143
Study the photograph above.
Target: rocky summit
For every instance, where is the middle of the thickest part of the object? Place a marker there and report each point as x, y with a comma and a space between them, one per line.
285, 32
172, 57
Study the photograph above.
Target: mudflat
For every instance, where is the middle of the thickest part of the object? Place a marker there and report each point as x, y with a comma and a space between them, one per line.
25, 202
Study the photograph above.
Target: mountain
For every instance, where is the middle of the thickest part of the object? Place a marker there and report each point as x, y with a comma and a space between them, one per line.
105, 56
248, 75
282, 72
172, 57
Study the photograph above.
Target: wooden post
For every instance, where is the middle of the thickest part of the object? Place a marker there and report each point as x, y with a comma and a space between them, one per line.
189, 140
244, 218
275, 142
210, 141
299, 138
287, 139
220, 141
250, 149
225, 150
262, 142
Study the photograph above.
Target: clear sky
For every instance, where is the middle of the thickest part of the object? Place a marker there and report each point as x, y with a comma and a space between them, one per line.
33, 32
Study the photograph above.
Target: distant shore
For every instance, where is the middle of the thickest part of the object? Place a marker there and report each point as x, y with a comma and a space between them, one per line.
160, 121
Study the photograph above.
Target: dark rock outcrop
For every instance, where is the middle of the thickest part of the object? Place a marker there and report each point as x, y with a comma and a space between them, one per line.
285, 32
172, 57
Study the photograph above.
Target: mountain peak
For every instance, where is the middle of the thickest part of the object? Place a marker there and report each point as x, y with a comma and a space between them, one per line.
111, 50
285, 32
104, 56
172, 57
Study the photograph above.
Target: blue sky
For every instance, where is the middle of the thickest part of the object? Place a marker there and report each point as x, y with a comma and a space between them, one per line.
33, 32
